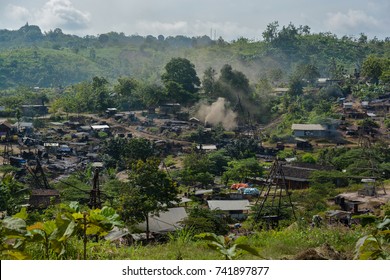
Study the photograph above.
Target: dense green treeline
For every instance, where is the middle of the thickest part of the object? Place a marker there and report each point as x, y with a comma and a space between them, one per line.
54, 59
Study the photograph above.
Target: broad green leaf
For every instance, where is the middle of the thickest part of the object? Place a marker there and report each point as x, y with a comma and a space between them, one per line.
38, 235
14, 226
214, 246
37, 225
367, 248
248, 249
68, 232
385, 224
108, 211
57, 246
16, 255
232, 251
94, 229
75, 206
207, 236
22, 214
78, 216
65, 227
50, 227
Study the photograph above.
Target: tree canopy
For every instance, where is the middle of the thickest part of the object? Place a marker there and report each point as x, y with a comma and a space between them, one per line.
180, 80
149, 191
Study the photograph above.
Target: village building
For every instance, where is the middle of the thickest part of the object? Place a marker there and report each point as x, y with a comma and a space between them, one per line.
303, 144
43, 198
324, 82
380, 107
5, 129
297, 175
206, 147
237, 209
165, 221
347, 105
111, 111
169, 108
310, 130
26, 128
280, 91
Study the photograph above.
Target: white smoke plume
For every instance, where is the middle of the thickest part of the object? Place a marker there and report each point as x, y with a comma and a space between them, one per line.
218, 113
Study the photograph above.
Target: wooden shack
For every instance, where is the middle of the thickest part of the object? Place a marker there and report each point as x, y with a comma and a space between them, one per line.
43, 198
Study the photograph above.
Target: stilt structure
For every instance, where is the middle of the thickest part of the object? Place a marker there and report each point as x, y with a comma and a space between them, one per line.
38, 175
8, 151
94, 197
274, 202
367, 155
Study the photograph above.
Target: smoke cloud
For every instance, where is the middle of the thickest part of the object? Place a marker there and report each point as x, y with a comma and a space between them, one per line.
218, 113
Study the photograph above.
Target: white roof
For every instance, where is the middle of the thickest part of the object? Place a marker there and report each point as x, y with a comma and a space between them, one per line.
98, 127
23, 124
207, 147
368, 181
323, 80
200, 192
50, 144
297, 126
280, 89
228, 205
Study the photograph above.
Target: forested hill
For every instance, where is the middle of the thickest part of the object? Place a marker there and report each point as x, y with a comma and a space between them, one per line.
32, 58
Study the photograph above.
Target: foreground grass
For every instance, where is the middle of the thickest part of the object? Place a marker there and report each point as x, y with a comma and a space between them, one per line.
273, 245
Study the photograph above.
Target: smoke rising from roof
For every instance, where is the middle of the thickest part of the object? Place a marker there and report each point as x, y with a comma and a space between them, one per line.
218, 113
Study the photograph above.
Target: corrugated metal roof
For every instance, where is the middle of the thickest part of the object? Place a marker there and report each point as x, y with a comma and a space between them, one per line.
165, 221
228, 205
23, 124
297, 126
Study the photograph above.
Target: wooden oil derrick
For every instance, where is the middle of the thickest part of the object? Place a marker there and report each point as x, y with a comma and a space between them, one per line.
367, 155
38, 175
8, 151
94, 195
274, 202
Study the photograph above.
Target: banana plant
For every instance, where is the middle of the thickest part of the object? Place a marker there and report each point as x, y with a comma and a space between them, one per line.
226, 245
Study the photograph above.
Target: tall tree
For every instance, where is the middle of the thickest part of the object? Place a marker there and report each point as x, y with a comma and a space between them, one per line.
308, 72
151, 95
100, 93
271, 32
197, 167
149, 191
242, 169
125, 90
372, 68
208, 81
295, 86
122, 152
180, 80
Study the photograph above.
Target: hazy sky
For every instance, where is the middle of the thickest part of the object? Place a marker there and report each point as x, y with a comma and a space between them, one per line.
229, 19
